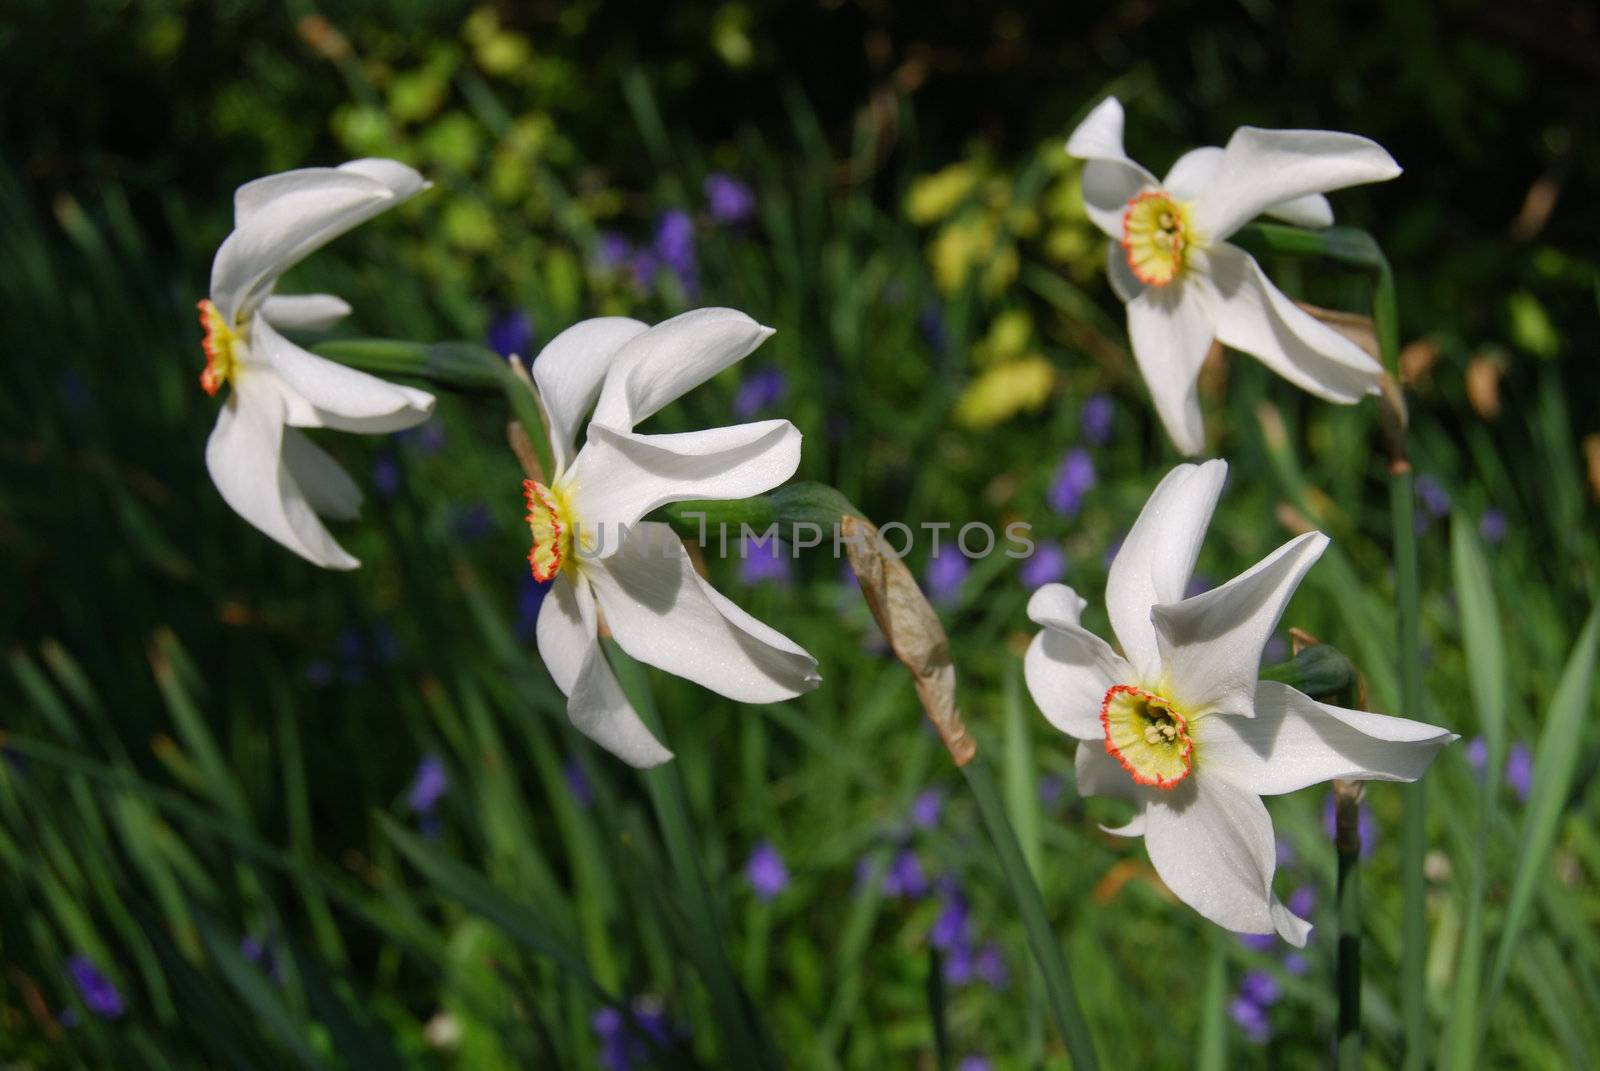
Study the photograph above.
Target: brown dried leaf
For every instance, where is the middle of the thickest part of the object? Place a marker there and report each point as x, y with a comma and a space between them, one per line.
913, 631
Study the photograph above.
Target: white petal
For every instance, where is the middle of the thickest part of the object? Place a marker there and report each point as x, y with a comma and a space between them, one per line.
1097, 774
403, 181
1056, 605
1262, 168
327, 487
304, 312
1124, 283
1110, 179
341, 397
569, 371
1155, 559
1133, 827
1295, 741
619, 477
244, 457
1069, 670
1192, 174
1212, 844
283, 218
1170, 328
1257, 318
665, 615
1211, 643
662, 364
595, 703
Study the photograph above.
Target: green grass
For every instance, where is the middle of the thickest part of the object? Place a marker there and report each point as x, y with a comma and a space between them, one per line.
213, 740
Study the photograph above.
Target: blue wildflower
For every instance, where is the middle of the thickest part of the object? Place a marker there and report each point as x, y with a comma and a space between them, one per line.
578, 783
99, 994
1073, 479
925, 809
946, 572
385, 474
511, 334
1492, 525
428, 786
674, 245
1094, 420
1046, 565
727, 199
1519, 771
766, 871
905, 876
760, 389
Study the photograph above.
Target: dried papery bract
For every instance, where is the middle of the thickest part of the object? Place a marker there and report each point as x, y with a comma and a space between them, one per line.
913, 631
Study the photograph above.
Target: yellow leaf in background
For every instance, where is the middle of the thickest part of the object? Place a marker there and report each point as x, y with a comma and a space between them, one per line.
1008, 337
935, 196
1004, 391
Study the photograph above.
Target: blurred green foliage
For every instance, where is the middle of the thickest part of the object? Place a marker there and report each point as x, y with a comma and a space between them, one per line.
209, 742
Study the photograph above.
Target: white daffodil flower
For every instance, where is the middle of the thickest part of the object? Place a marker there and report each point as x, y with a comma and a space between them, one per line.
1184, 284
1180, 726
271, 473
589, 537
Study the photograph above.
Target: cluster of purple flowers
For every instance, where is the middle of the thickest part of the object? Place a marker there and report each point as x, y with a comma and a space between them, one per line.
946, 572
359, 652
765, 562
671, 249
1519, 765
1434, 500
965, 960
1258, 991
626, 1045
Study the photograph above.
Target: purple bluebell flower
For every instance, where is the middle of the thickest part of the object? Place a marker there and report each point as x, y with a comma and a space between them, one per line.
1303, 901
727, 199
1073, 479
1259, 942
1294, 963
99, 994
905, 876
612, 252
578, 783
1094, 420
530, 598
1046, 565
1275, 650
1492, 525
1434, 498
1260, 988
385, 474
642, 269
1251, 1019
975, 1062
622, 1047
428, 786
765, 563
427, 438
259, 950
946, 572
760, 389
511, 334
1477, 752
766, 872
1199, 584
1366, 826
926, 808
1051, 788
930, 325
674, 244
1519, 771
949, 929
960, 963
474, 521
990, 966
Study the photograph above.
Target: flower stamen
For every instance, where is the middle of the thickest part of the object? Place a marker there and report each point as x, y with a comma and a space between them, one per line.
1147, 736
220, 343
1156, 237
551, 528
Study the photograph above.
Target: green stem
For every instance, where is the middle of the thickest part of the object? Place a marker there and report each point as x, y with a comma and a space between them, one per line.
746, 1040
1030, 905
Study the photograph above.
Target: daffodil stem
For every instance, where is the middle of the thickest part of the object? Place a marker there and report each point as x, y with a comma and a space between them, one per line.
1042, 940
1408, 605
1347, 842
745, 1039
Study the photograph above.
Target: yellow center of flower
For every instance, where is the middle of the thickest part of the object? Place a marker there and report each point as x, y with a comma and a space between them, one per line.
1147, 736
221, 345
550, 520
1156, 237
